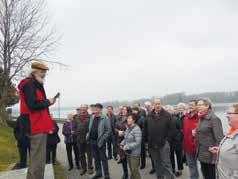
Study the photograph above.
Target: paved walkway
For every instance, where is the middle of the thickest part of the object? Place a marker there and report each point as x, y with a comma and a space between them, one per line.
115, 169
21, 174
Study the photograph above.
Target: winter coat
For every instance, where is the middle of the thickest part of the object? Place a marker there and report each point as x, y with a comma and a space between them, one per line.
68, 127
53, 139
227, 167
104, 129
81, 129
132, 140
177, 138
209, 133
158, 129
35, 106
189, 123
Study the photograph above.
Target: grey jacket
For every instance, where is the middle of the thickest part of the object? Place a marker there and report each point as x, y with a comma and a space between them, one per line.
226, 166
132, 140
104, 129
209, 133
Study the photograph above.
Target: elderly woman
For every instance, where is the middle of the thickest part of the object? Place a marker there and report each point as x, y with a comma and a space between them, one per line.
227, 167
208, 134
132, 146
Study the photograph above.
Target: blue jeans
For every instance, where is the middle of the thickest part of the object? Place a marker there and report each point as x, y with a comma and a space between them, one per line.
99, 155
192, 164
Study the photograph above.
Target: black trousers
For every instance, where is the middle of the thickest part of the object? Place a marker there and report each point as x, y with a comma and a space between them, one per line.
143, 154
99, 155
124, 167
51, 153
70, 147
84, 149
23, 155
111, 147
208, 170
179, 156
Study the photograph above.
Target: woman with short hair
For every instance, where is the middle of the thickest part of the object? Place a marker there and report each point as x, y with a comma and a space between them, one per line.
132, 146
208, 134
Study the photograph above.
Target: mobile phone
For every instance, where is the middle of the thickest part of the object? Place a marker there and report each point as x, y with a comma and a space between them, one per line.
57, 95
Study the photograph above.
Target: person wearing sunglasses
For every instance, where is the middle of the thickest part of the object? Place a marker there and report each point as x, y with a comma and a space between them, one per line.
226, 166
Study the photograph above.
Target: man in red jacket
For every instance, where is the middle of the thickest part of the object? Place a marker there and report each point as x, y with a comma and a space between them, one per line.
190, 122
34, 112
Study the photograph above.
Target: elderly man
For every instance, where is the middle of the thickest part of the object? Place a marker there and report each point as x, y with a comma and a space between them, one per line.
158, 131
81, 130
99, 131
34, 108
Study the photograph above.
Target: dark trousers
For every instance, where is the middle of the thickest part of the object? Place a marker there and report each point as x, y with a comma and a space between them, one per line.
152, 163
70, 147
99, 155
208, 170
143, 154
162, 163
111, 147
124, 167
51, 153
23, 155
179, 156
84, 149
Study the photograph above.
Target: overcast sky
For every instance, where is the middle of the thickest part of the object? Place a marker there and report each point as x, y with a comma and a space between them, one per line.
128, 49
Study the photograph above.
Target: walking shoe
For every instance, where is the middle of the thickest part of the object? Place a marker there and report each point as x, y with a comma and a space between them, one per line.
152, 171
70, 168
106, 177
178, 173
82, 171
90, 171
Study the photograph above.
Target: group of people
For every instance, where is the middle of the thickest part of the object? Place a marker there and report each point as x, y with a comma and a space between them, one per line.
192, 135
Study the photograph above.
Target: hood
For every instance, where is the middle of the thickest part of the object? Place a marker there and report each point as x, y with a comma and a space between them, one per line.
22, 83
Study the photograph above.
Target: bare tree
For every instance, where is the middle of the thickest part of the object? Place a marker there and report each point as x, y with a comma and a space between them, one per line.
25, 34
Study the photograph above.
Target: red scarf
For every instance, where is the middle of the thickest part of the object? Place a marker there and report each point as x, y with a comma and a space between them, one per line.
203, 113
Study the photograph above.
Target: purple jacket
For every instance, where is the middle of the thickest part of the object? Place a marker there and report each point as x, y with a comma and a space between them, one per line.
67, 131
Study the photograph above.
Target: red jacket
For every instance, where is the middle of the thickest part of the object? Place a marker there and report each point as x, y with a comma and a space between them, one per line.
189, 123
33, 103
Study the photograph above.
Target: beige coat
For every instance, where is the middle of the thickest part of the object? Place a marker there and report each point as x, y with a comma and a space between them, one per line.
227, 162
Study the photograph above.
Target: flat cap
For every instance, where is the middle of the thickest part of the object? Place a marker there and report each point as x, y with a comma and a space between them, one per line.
39, 65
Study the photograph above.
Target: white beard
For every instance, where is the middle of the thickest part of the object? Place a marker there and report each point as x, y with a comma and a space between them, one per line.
40, 80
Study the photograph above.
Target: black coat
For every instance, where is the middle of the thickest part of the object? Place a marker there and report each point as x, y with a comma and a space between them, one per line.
53, 139
158, 129
21, 131
177, 138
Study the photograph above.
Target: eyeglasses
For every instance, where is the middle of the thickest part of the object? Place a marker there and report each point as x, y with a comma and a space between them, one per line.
229, 113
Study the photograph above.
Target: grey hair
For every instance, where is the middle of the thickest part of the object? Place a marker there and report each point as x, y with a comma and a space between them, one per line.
183, 105
169, 107
148, 103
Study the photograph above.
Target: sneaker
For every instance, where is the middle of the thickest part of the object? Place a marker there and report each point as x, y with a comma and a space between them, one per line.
178, 173
82, 171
